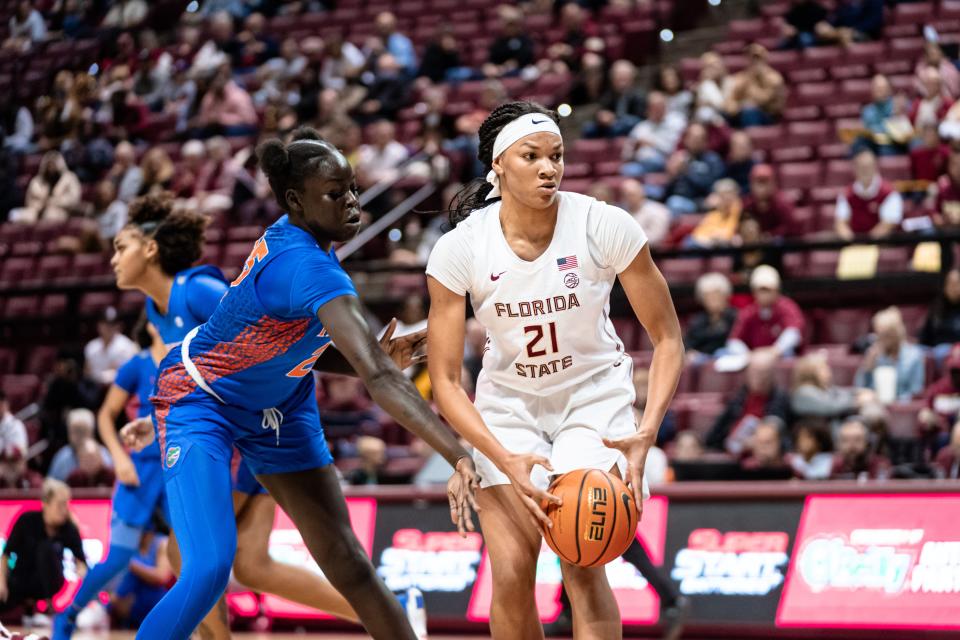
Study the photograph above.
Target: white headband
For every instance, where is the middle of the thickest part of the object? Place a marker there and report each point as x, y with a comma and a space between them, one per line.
522, 127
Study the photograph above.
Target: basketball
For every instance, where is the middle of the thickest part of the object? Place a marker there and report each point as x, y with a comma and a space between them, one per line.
597, 520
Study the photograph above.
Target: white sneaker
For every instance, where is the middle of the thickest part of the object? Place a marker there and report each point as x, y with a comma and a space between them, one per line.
94, 617
38, 621
416, 610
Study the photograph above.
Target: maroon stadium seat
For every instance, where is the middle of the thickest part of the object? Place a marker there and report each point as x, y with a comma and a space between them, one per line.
843, 326
93, 302
800, 175
709, 380
912, 13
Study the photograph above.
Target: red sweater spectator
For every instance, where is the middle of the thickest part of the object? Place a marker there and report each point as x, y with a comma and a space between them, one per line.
943, 396
765, 204
947, 462
871, 204
854, 460
946, 207
772, 320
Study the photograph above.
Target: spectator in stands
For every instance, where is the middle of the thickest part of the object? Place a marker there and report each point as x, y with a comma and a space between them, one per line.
32, 564
17, 123
441, 58
799, 24
125, 173
765, 449
757, 94
66, 389
740, 160
277, 73
669, 82
256, 44
766, 204
773, 320
622, 105
929, 155
687, 447
52, 195
109, 212
226, 109
373, 458
852, 21
109, 350
902, 363
711, 94
871, 205
692, 171
80, 425
947, 462
396, 44
26, 27
386, 94
719, 226
668, 427
876, 116
758, 398
942, 398
946, 202
934, 58
652, 141
590, 83
814, 394
126, 14
934, 101
193, 160
342, 62
941, 329
157, 172
214, 186
513, 49
812, 457
91, 470
381, 158
709, 329
854, 459
221, 47
147, 579
580, 34
13, 450
653, 216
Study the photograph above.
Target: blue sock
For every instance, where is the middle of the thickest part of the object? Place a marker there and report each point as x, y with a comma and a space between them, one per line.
118, 559
201, 510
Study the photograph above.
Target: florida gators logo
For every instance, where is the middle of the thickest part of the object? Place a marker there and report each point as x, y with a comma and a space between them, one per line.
173, 454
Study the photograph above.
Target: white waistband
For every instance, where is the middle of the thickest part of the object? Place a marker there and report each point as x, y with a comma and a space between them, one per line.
272, 417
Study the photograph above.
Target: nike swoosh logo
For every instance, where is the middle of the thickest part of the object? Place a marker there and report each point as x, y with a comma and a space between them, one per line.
496, 277
537, 121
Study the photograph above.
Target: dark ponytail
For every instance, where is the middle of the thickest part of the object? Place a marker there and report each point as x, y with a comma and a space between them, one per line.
179, 233
287, 165
474, 193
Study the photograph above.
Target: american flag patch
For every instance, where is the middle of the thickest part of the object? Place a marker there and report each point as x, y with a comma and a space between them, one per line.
569, 262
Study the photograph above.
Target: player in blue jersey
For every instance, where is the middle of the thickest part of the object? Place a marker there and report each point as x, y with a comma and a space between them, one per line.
154, 254
244, 379
139, 493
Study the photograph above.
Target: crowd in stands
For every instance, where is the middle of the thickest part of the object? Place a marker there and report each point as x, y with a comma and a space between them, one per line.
722, 151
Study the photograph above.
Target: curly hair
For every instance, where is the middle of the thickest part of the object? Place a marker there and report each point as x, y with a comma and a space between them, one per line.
473, 195
179, 233
288, 165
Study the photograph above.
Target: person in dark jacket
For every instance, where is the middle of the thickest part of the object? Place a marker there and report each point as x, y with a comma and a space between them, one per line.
708, 330
513, 49
692, 171
942, 326
622, 104
758, 398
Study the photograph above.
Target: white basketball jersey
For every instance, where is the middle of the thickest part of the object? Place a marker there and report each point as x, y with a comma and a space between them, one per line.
547, 320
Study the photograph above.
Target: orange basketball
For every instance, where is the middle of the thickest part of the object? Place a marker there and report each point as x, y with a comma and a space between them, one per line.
597, 521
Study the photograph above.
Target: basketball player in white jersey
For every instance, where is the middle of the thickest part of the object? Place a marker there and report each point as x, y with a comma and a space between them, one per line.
555, 391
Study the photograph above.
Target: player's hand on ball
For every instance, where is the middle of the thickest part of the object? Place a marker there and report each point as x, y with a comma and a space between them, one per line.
407, 350
462, 493
137, 435
634, 448
517, 467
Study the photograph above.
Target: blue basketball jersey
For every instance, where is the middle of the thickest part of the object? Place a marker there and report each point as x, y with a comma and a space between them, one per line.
137, 377
195, 294
263, 339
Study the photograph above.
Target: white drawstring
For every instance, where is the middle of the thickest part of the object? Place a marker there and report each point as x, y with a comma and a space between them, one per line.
272, 419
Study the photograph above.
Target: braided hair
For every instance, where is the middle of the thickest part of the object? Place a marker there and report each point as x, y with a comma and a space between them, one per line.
288, 165
179, 233
473, 195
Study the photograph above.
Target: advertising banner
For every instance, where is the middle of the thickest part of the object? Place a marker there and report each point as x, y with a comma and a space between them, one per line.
93, 520
730, 558
872, 561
